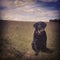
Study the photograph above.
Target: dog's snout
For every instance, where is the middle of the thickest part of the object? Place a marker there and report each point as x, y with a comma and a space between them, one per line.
39, 27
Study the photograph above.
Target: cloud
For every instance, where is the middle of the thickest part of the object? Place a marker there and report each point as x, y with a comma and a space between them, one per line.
29, 13
48, 0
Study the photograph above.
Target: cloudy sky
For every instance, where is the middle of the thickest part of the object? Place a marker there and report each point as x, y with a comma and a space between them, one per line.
29, 10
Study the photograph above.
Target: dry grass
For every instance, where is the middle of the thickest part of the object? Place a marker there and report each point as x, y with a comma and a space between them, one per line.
20, 35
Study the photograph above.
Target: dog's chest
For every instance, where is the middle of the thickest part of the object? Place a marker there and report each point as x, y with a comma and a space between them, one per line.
39, 35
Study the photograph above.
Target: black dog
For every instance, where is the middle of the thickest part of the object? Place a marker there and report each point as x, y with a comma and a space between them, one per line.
40, 37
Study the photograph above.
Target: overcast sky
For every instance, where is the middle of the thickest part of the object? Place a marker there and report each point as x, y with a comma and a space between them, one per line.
29, 10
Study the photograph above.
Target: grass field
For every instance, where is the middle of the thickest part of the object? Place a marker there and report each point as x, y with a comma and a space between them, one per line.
20, 35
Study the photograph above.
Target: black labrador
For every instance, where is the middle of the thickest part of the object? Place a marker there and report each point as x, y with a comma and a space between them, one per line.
40, 37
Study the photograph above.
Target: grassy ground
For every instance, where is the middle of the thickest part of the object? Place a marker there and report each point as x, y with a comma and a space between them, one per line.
20, 36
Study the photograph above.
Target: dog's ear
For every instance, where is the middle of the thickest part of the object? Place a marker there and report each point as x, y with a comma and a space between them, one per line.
43, 24
35, 25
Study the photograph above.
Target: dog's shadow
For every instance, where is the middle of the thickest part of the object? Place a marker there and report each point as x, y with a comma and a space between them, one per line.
47, 50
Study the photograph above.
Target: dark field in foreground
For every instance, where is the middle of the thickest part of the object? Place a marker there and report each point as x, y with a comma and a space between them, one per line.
17, 37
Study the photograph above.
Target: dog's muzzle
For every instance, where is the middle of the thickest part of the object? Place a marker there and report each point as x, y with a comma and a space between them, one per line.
39, 31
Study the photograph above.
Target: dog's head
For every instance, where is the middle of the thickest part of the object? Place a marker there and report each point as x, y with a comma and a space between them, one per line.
40, 25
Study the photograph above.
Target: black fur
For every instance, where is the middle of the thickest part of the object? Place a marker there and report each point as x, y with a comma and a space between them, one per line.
39, 39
